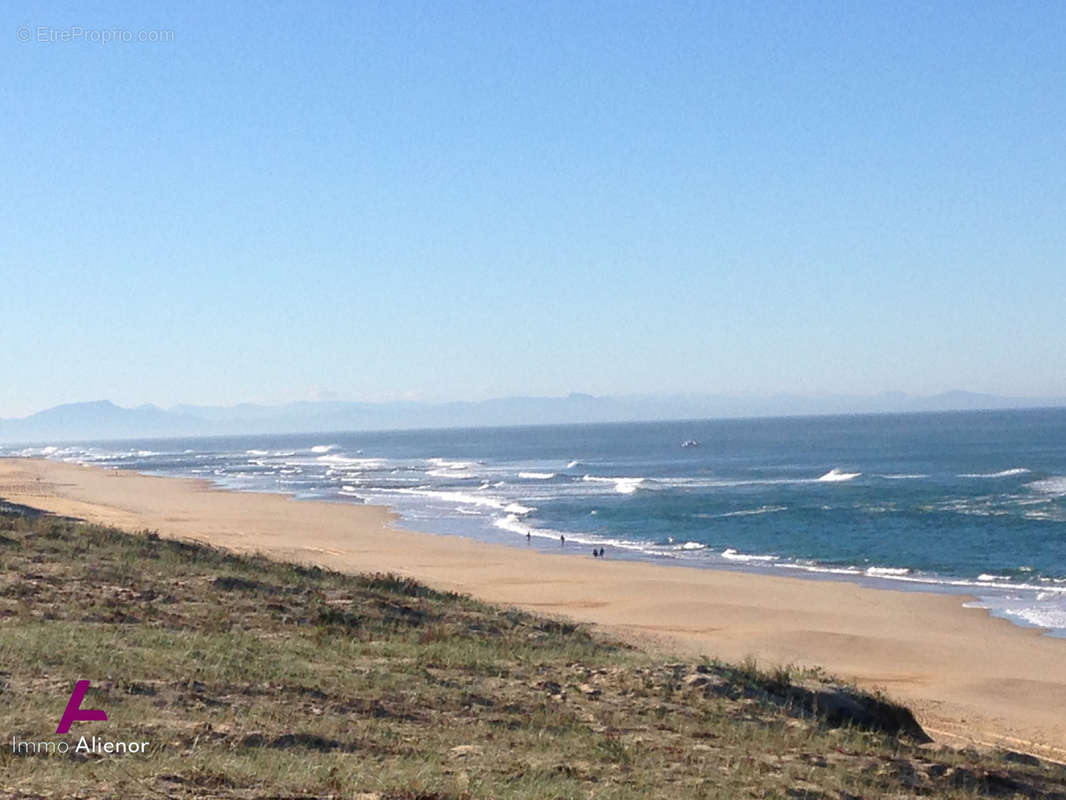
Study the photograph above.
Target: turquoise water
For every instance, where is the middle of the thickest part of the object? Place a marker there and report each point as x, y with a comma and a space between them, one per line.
968, 501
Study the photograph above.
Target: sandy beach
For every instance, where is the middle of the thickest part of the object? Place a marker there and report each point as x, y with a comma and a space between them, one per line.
967, 676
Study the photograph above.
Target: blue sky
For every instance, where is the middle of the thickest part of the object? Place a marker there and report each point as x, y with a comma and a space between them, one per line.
464, 200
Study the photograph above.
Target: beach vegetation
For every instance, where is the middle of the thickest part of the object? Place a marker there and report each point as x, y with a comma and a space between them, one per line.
254, 678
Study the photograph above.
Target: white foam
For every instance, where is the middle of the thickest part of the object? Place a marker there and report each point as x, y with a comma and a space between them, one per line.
1044, 516
621, 485
82, 455
1050, 618
692, 546
836, 476
323, 448
513, 524
729, 483
832, 476
733, 555
884, 572
977, 508
1054, 486
464, 498
748, 512
572, 464
810, 567
350, 462
537, 476
449, 472
257, 452
628, 485
1006, 473
1041, 610
446, 463
906, 476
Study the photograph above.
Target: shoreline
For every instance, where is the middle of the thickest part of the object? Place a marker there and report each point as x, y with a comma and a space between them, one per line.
969, 593
1035, 600
1027, 596
969, 676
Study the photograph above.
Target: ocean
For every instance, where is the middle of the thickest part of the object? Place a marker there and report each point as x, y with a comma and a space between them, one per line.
966, 502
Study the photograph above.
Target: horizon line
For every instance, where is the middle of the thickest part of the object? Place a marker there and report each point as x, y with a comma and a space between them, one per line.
886, 394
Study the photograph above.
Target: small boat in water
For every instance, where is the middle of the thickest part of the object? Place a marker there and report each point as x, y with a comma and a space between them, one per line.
690, 443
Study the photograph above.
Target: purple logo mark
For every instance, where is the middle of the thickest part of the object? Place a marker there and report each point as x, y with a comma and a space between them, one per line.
75, 712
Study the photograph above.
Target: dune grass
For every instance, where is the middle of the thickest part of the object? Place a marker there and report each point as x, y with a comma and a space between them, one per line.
253, 678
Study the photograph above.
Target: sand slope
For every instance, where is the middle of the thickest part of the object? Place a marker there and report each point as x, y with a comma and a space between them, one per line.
967, 676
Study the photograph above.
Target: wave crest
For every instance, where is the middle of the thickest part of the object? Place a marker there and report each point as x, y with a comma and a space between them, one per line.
1004, 473
621, 485
1055, 485
837, 476
733, 555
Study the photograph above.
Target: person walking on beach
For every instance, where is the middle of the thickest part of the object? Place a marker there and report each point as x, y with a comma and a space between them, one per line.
562, 540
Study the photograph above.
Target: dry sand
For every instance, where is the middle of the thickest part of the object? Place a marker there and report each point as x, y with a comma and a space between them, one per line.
967, 676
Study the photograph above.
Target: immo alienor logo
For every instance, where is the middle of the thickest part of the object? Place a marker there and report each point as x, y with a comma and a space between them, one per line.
75, 713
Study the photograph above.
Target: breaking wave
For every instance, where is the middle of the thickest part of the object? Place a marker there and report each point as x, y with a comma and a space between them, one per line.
1006, 473
837, 476
1054, 486
732, 555
621, 485
747, 512
886, 572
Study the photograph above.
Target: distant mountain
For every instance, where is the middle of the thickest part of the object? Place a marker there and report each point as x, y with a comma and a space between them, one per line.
104, 420
101, 419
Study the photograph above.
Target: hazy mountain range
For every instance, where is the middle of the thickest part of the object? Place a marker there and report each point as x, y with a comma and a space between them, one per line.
105, 420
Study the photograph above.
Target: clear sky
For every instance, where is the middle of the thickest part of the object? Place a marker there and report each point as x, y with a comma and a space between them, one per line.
463, 200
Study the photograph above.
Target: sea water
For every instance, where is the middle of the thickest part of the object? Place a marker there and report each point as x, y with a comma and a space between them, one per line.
973, 502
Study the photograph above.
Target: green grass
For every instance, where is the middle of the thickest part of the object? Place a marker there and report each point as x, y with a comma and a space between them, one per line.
254, 678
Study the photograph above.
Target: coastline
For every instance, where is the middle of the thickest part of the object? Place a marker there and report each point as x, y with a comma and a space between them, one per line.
968, 676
